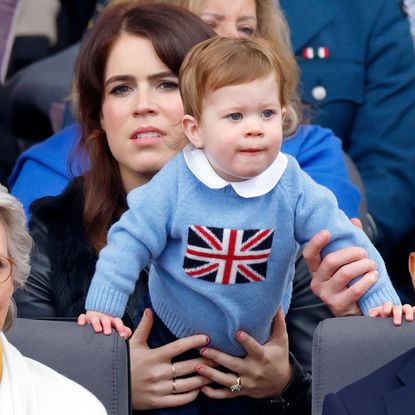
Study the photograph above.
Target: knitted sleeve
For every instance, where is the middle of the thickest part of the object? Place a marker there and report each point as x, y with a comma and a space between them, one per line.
317, 209
138, 236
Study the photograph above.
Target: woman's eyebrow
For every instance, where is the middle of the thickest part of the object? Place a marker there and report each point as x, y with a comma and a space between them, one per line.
164, 74
131, 78
215, 15
244, 18
118, 78
222, 17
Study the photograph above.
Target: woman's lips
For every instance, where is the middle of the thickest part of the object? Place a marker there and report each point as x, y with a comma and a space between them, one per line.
146, 136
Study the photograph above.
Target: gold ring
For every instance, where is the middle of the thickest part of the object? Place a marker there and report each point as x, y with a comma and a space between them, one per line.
237, 386
173, 386
173, 370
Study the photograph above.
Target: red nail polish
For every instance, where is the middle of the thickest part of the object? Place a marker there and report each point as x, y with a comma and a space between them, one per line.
238, 334
203, 350
207, 339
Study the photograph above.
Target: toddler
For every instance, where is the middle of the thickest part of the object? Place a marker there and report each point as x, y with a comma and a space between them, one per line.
223, 221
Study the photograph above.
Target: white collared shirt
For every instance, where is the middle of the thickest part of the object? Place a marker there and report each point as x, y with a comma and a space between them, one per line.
256, 186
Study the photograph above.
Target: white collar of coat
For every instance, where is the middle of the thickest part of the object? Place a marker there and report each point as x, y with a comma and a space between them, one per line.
256, 186
30, 387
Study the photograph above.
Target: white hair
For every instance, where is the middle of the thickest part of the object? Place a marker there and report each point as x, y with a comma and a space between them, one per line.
19, 242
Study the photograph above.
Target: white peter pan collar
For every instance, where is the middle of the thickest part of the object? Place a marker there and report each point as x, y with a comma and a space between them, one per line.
256, 186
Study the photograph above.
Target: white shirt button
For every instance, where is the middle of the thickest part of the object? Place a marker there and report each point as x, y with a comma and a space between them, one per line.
319, 93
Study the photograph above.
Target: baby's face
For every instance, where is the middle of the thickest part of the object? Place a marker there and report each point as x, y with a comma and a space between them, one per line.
241, 128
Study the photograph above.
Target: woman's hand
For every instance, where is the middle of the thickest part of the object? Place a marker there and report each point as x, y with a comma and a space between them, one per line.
156, 383
264, 371
330, 277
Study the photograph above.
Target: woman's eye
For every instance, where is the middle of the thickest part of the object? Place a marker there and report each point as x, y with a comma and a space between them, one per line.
236, 116
120, 90
211, 23
168, 85
247, 31
267, 113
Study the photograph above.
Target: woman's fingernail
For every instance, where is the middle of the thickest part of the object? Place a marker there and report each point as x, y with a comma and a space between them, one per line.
207, 340
199, 368
203, 350
239, 335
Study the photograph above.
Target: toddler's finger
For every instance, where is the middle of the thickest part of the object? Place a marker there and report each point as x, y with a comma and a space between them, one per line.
375, 311
96, 324
397, 315
121, 328
107, 325
409, 312
128, 332
82, 320
387, 309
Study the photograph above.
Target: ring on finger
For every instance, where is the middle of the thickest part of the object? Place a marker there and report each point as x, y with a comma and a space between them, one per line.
173, 386
237, 386
173, 370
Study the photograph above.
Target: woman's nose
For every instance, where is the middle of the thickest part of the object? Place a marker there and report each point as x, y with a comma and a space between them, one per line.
144, 104
227, 29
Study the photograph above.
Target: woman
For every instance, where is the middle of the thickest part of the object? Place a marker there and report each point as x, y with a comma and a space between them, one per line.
41, 171
26, 386
71, 228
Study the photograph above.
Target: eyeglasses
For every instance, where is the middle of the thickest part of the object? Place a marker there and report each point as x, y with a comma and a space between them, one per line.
6, 266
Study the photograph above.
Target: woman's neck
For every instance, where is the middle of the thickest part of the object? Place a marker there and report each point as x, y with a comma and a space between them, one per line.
132, 180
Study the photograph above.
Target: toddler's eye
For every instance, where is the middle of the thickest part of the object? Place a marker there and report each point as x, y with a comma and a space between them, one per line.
236, 116
267, 113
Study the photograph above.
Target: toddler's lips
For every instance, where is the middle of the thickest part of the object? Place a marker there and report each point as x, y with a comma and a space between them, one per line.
251, 150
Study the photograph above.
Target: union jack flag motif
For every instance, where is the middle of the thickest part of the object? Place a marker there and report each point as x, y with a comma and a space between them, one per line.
227, 256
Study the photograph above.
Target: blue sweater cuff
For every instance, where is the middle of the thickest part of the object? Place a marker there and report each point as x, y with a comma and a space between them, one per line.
378, 298
106, 300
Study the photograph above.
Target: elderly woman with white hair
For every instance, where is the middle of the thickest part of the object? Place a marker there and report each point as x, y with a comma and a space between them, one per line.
26, 386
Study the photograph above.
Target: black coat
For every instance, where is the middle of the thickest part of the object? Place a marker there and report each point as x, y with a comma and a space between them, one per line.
62, 255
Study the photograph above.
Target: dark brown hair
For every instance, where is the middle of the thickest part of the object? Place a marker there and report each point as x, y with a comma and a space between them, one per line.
173, 32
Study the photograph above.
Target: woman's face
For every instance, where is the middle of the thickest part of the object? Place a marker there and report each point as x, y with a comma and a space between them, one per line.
6, 288
142, 110
234, 18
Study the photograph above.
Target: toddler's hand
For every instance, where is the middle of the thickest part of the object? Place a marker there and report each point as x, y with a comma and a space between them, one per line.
396, 311
101, 322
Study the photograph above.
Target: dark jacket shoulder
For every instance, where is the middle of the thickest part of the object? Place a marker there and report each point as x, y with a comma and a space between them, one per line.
58, 231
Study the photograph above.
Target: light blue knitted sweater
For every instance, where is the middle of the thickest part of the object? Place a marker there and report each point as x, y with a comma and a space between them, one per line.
213, 270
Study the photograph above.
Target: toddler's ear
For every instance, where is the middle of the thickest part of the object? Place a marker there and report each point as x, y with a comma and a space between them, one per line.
411, 265
191, 129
